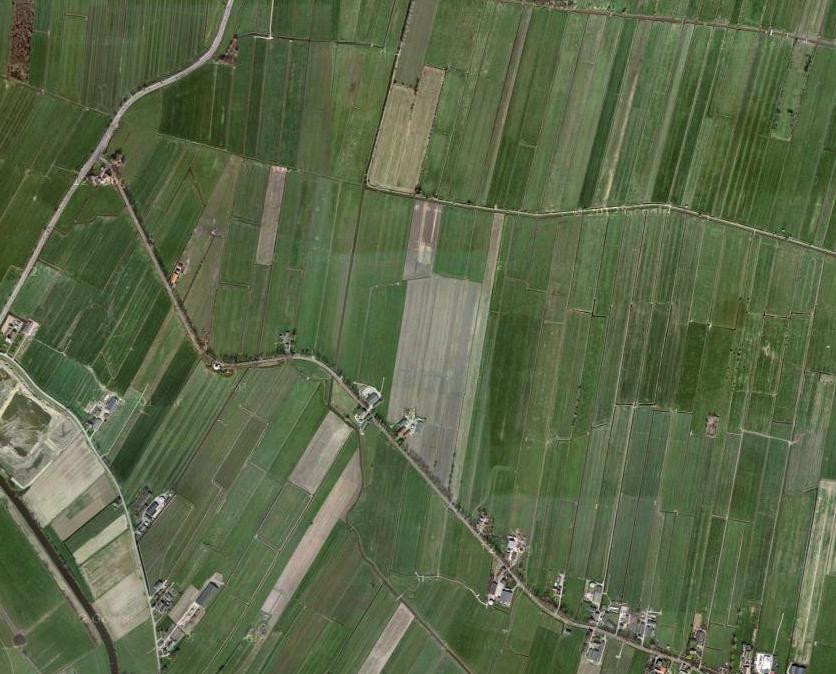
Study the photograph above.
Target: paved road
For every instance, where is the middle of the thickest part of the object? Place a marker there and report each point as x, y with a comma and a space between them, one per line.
102, 147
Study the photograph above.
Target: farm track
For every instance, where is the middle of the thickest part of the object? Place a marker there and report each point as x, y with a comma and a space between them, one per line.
683, 21
345, 386
625, 208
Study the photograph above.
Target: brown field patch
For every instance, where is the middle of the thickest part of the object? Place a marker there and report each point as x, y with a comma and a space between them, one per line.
110, 564
388, 641
84, 507
437, 331
336, 506
20, 50
74, 470
320, 453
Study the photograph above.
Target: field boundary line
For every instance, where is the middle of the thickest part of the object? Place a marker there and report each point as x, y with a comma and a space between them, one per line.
624, 208
685, 21
104, 141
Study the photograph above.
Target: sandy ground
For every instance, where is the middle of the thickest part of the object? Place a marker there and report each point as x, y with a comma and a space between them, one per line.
124, 606
71, 473
436, 337
186, 599
320, 453
270, 215
105, 536
336, 506
109, 565
91, 501
388, 641
423, 235
475, 362
821, 561
420, 126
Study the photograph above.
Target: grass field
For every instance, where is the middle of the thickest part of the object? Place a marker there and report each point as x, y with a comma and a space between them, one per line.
654, 403
34, 606
34, 174
146, 39
658, 321
590, 110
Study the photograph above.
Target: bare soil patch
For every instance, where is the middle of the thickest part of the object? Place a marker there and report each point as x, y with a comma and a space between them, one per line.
20, 49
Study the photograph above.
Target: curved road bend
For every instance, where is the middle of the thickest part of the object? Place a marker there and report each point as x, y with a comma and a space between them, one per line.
267, 362
93, 617
102, 146
339, 381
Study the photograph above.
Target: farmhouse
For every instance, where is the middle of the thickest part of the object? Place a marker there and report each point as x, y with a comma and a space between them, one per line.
11, 326
188, 612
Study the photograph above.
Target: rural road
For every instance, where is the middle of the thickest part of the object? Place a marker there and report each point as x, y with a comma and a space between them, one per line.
102, 147
35, 527
327, 369
338, 380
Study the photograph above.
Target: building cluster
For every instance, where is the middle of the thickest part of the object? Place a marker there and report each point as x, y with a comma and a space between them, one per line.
558, 588
658, 665
152, 511
408, 425
14, 327
163, 596
593, 651
484, 523
617, 617
188, 612
501, 584
100, 412
220, 368
288, 340
696, 643
370, 398
106, 170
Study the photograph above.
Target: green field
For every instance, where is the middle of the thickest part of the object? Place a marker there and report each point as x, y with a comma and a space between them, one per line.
34, 606
146, 39
654, 407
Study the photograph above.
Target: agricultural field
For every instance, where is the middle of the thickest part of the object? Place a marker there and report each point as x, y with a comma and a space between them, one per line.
591, 245
34, 610
549, 111
145, 40
676, 451
34, 174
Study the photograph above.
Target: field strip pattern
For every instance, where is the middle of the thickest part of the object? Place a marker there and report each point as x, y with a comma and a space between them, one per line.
336, 506
388, 641
320, 453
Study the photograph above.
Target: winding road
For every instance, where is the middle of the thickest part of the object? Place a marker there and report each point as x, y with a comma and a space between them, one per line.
327, 369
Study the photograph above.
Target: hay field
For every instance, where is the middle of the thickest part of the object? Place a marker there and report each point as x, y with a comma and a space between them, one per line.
388, 641
69, 475
423, 235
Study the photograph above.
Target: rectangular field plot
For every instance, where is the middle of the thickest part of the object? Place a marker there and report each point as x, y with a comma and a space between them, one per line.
547, 110
317, 110
650, 412
436, 336
145, 39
